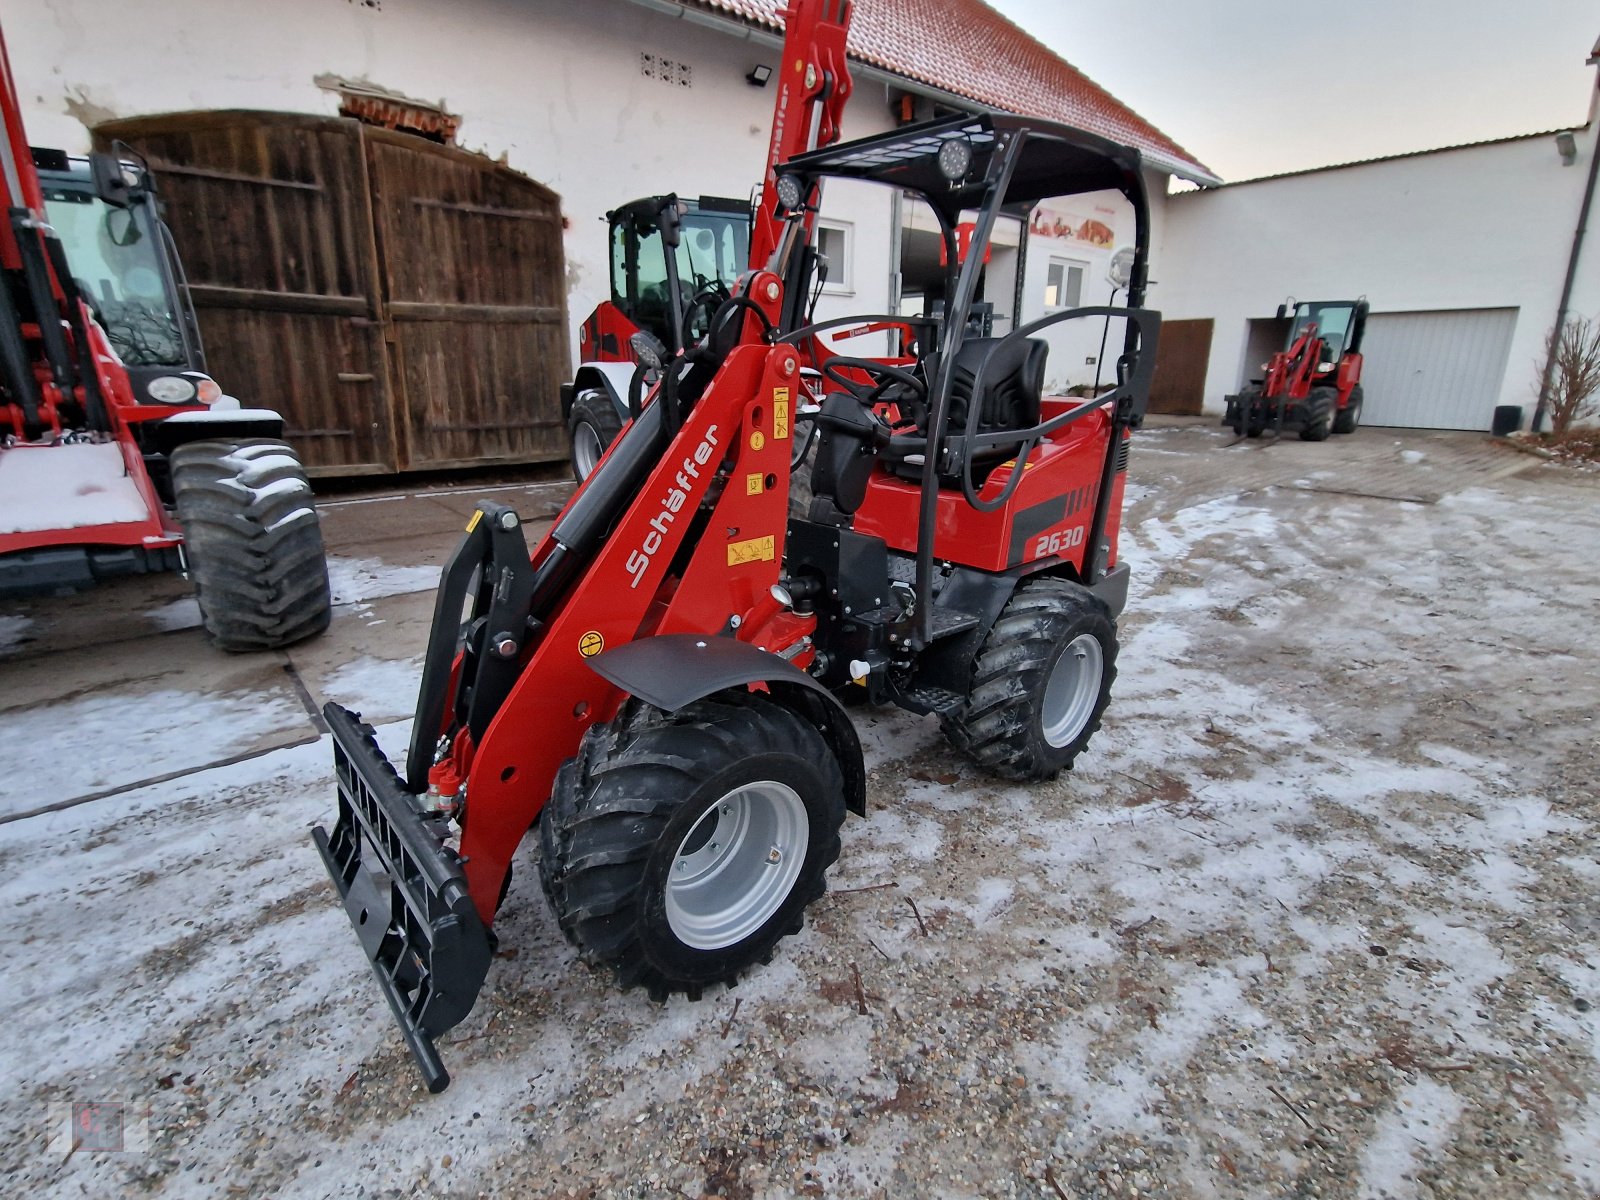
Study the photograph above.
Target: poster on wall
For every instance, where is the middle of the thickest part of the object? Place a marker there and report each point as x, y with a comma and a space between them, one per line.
1085, 230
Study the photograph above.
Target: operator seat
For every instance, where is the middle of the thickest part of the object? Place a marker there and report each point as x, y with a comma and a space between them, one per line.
1013, 386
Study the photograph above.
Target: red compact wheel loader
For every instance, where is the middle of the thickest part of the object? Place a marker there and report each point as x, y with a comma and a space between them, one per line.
652, 686
1312, 385
118, 453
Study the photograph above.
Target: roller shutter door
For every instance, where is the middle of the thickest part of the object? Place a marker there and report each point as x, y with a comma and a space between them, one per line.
1436, 370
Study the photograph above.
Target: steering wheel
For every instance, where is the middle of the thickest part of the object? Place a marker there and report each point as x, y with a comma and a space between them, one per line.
702, 303
882, 374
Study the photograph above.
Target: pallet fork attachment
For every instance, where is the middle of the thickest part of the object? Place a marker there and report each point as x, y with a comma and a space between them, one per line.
403, 889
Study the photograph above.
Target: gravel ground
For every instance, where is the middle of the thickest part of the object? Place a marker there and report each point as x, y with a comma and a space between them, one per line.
1314, 916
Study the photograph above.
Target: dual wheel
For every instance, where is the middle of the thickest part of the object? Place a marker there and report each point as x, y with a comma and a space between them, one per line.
678, 849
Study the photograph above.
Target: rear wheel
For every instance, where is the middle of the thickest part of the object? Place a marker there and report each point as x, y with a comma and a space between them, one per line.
1040, 683
593, 424
1348, 417
680, 848
253, 542
1318, 415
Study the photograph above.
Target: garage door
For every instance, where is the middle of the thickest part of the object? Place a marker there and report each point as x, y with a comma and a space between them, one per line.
1436, 370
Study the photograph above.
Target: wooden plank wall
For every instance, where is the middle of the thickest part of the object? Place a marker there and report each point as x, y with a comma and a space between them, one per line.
476, 294
402, 303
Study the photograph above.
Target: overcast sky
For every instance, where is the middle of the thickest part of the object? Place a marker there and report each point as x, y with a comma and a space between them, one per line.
1252, 87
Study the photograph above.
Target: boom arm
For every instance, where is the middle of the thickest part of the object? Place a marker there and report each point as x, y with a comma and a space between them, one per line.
813, 85
36, 377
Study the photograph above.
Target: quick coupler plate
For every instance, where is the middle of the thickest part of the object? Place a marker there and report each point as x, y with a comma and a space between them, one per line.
404, 892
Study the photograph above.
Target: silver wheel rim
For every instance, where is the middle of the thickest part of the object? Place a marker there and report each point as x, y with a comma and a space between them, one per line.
586, 448
737, 865
1071, 692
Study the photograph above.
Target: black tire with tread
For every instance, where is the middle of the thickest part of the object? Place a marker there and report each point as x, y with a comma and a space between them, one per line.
1318, 408
253, 542
999, 724
594, 409
621, 807
1348, 418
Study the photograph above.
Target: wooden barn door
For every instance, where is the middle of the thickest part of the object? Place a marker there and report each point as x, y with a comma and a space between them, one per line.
401, 303
271, 215
1179, 386
475, 294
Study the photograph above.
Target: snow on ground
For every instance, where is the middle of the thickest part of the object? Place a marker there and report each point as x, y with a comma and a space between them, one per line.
181, 613
354, 579
1309, 917
13, 632
129, 733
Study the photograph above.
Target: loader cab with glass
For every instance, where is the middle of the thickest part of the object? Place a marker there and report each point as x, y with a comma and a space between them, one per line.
106, 212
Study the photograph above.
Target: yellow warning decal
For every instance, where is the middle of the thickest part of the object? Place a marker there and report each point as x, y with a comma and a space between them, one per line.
591, 643
757, 440
752, 484
780, 413
762, 549
477, 515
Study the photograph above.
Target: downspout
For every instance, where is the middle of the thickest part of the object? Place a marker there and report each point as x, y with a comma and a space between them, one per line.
1572, 259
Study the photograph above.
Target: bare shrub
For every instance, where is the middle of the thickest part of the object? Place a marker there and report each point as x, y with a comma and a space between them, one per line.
1574, 354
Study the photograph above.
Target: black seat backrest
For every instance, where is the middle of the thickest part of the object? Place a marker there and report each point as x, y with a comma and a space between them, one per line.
1013, 382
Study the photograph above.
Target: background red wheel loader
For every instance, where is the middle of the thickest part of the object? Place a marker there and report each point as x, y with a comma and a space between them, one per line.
652, 685
668, 293
1312, 385
118, 453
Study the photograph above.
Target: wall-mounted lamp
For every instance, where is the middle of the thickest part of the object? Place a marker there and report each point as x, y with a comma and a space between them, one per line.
1567, 147
759, 74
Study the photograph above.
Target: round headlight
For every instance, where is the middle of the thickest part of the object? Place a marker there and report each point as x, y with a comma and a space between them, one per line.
955, 159
791, 193
170, 389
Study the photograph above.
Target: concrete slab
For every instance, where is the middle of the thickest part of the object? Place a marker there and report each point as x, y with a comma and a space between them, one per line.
370, 659
78, 722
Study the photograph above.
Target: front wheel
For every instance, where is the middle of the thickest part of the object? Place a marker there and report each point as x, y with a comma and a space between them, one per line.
594, 424
681, 848
1040, 683
1349, 417
1318, 415
253, 542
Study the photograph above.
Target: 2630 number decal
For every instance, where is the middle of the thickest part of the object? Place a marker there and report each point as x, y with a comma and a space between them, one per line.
1059, 541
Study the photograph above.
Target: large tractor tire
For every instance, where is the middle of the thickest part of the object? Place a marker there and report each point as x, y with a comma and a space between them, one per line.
1349, 417
1318, 415
678, 849
252, 541
593, 425
1040, 683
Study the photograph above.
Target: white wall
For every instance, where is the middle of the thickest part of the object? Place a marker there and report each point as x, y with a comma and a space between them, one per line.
1072, 343
1478, 227
552, 86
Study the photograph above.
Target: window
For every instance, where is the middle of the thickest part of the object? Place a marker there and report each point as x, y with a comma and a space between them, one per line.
114, 254
1333, 324
833, 243
1063, 286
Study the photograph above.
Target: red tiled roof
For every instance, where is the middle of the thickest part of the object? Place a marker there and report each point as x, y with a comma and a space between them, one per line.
966, 48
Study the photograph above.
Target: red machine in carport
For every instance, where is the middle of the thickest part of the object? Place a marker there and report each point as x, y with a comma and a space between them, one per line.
652, 686
111, 468
659, 290
1313, 385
